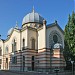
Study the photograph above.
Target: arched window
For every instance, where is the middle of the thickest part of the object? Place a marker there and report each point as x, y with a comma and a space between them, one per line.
33, 43
0, 51
6, 50
14, 46
23, 43
55, 38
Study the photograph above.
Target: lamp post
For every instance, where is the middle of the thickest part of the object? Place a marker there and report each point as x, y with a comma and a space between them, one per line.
72, 66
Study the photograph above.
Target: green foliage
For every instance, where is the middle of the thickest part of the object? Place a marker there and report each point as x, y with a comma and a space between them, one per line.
69, 50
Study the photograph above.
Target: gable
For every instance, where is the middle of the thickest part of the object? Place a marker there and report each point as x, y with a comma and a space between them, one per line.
54, 25
13, 33
51, 30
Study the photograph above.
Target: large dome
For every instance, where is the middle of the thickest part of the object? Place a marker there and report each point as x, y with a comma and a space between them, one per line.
32, 17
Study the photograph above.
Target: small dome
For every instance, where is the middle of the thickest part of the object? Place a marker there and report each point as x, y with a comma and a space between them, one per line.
33, 17
57, 45
10, 30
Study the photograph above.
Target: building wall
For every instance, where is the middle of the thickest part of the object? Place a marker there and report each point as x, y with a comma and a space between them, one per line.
49, 31
55, 56
42, 37
32, 34
1, 57
8, 43
15, 35
24, 35
44, 59
28, 34
42, 48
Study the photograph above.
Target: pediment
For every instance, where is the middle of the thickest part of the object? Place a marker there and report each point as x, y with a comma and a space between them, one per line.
54, 25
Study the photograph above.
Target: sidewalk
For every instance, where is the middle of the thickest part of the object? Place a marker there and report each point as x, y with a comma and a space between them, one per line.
30, 72
39, 73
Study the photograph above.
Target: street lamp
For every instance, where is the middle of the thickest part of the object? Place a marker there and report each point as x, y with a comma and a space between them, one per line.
72, 66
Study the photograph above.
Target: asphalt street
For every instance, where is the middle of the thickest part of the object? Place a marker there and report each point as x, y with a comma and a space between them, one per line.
32, 73
8, 73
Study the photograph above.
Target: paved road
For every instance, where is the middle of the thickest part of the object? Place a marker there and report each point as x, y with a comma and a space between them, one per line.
21, 73
31, 73
8, 73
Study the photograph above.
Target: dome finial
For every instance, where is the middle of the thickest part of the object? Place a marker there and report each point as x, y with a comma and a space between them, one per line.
16, 25
33, 9
55, 21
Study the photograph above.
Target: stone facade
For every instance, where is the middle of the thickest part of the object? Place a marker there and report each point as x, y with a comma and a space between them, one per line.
34, 47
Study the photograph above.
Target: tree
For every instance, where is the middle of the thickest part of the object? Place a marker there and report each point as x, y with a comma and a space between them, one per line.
69, 49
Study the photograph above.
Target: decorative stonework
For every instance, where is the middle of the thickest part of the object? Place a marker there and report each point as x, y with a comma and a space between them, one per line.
29, 48
52, 38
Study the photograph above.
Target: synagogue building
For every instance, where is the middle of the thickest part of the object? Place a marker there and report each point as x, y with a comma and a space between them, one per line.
35, 46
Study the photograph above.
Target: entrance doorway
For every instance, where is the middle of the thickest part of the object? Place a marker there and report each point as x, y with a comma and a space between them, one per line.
6, 64
32, 66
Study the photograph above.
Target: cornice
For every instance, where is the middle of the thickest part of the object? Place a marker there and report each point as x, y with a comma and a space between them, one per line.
30, 28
